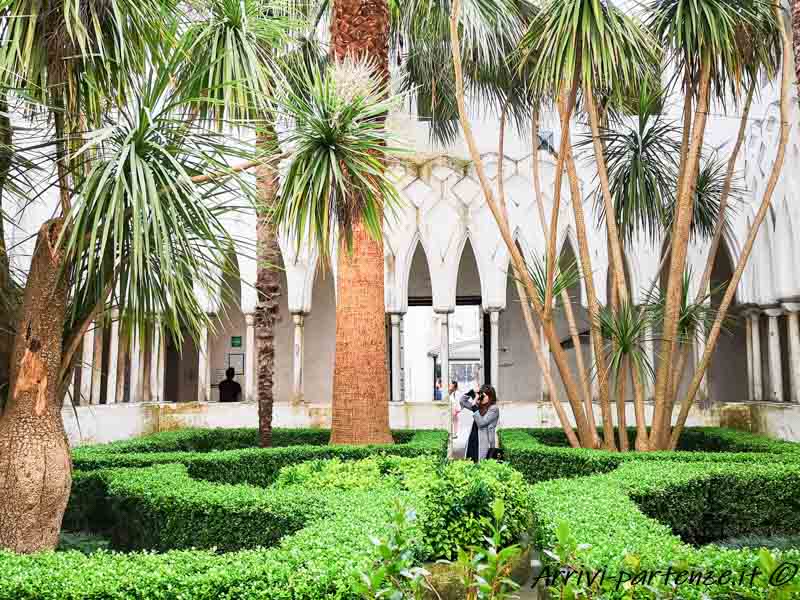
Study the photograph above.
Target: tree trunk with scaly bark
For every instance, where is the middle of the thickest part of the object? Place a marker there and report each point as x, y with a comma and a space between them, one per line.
360, 29
35, 467
8, 293
796, 39
268, 286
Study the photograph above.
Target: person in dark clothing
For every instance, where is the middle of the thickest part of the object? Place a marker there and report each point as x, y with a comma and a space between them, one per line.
229, 390
485, 415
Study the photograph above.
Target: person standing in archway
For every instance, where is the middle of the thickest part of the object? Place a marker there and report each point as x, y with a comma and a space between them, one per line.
229, 390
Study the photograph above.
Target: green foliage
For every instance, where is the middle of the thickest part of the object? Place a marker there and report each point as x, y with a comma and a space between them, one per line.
577, 42
254, 466
362, 474
161, 508
625, 521
456, 509
543, 454
336, 177
140, 226
320, 535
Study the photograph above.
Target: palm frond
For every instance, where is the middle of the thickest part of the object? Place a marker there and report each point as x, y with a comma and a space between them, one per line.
336, 175
740, 39
490, 32
642, 163
227, 56
695, 318
567, 275
141, 230
580, 41
707, 195
626, 330
78, 53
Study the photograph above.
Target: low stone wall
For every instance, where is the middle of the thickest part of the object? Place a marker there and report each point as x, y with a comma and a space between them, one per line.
107, 423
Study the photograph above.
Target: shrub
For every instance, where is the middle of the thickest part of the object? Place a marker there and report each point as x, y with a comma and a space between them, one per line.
539, 455
255, 466
161, 508
596, 522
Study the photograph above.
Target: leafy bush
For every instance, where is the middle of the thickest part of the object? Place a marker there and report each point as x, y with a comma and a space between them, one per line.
595, 522
192, 439
255, 466
540, 456
453, 501
385, 470
161, 508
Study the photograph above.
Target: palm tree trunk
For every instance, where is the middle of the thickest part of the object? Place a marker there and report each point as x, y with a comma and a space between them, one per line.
573, 393
796, 38
268, 286
35, 467
567, 301
622, 425
591, 300
719, 227
772, 182
567, 101
533, 335
8, 301
360, 28
659, 436
614, 242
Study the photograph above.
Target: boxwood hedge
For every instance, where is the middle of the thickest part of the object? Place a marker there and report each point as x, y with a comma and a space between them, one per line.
255, 466
543, 454
630, 523
318, 530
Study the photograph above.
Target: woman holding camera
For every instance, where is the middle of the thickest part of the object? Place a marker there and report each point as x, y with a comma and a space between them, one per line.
485, 414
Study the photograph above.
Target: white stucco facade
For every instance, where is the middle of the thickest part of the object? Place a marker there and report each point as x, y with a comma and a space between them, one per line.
443, 250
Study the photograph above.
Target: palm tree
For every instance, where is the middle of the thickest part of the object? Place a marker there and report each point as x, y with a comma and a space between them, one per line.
138, 229
335, 188
229, 54
710, 44
360, 30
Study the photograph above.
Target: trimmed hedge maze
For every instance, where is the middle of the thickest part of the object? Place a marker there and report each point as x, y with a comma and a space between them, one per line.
303, 535
204, 514
636, 530
544, 454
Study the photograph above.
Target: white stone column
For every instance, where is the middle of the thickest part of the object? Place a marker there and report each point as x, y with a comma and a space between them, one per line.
113, 362
157, 366
793, 331
87, 366
298, 357
494, 349
251, 353
397, 393
444, 350
97, 364
775, 371
755, 335
136, 369
204, 368
749, 344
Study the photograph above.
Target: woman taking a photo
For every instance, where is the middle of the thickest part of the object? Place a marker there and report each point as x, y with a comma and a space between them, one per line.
485, 415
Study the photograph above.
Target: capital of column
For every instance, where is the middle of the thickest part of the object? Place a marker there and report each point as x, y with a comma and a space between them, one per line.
444, 311
773, 311
395, 318
298, 318
494, 316
791, 307
249, 319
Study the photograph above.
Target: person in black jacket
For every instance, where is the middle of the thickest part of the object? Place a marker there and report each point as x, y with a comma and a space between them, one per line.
229, 390
485, 414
